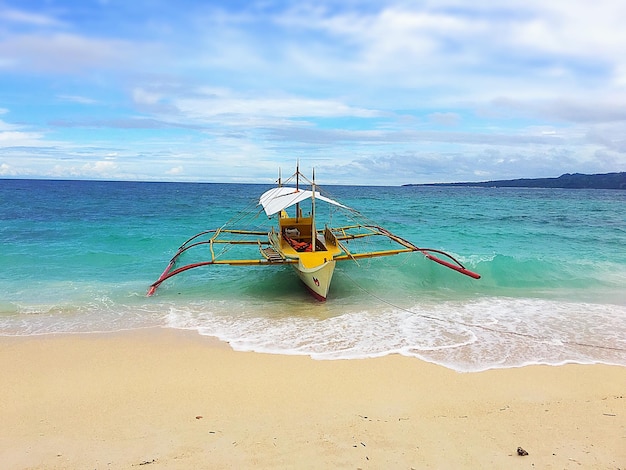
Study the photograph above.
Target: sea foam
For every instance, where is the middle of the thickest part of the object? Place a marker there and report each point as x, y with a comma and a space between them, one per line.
465, 336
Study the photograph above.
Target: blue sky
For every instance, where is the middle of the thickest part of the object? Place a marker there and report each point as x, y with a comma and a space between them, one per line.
371, 92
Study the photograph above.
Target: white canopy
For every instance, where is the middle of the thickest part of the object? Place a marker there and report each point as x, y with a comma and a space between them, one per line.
277, 199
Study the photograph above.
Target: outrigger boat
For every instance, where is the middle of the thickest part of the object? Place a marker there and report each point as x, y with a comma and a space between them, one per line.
297, 241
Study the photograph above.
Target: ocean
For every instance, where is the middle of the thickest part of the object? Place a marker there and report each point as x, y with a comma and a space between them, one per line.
79, 256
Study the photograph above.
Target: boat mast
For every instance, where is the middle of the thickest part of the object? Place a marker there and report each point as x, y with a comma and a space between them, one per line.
297, 188
313, 233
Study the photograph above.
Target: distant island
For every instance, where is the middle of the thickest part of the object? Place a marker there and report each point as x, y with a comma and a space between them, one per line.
566, 181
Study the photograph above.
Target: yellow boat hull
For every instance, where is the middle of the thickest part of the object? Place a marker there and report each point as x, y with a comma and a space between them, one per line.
316, 279
314, 268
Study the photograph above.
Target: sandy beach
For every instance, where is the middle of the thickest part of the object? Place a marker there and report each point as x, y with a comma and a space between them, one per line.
172, 399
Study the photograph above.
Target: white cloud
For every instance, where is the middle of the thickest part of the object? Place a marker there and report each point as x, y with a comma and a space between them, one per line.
178, 170
7, 170
77, 99
577, 29
11, 15
143, 96
66, 53
100, 168
11, 137
287, 107
206, 89
73, 168
207, 104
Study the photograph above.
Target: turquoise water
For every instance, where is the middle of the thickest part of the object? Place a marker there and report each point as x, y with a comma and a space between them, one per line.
78, 256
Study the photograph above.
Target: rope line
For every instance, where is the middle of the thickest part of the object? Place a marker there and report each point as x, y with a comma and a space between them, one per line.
473, 325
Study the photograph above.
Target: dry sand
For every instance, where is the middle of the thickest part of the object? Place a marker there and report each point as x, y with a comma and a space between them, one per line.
165, 399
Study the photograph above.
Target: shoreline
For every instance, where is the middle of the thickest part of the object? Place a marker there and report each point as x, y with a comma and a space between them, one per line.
466, 335
170, 398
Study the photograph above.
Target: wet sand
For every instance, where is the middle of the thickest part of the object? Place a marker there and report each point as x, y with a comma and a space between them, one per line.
171, 399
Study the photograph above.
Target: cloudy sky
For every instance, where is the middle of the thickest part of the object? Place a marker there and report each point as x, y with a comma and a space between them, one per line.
370, 91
